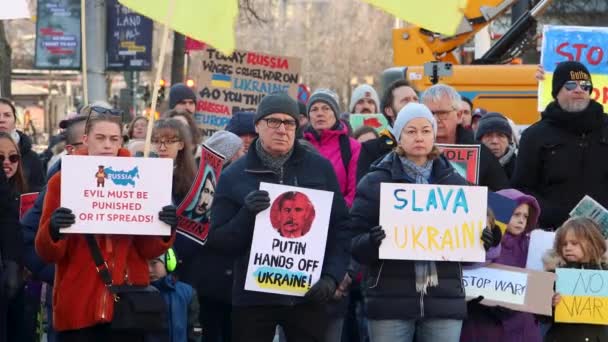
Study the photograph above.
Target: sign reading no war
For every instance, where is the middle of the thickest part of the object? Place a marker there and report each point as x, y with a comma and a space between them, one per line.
584, 296
432, 222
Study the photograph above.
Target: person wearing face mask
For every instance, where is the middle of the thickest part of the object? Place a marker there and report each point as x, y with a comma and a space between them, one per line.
31, 163
560, 158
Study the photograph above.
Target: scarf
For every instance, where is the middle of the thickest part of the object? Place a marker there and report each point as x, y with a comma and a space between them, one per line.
507, 157
275, 164
426, 271
16, 137
578, 123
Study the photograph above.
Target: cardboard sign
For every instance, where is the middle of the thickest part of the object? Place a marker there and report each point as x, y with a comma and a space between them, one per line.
590, 208
116, 195
289, 240
194, 213
58, 40
26, 202
432, 222
584, 296
464, 158
575, 43
377, 121
512, 287
503, 209
239, 82
540, 243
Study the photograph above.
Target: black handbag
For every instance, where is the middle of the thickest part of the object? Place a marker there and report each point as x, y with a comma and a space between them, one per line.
137, 309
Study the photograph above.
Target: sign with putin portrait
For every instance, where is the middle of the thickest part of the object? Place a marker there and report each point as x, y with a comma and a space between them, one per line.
116, 195
289, 240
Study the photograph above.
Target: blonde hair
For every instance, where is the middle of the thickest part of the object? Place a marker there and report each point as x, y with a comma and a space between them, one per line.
587, 233
434, 154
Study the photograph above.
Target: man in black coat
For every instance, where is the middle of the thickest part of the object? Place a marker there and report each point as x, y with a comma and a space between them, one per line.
444, 102
495, 132
562, 158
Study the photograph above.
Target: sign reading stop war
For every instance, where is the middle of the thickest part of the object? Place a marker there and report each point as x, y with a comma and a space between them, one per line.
584, 296
238, 82
116, 195
432, 222
588, 45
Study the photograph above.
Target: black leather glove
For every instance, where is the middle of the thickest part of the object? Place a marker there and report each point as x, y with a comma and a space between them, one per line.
322, 291
11, 278
376, 235
61, 218
257, 201
168, 215
487, 237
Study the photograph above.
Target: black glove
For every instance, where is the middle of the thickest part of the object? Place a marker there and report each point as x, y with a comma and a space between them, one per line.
487, 237
322, 291
257, 201
376, 235
11, 280
168, 215
61, 218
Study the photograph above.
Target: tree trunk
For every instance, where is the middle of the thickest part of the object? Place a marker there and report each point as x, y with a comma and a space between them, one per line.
5, 64
177, 62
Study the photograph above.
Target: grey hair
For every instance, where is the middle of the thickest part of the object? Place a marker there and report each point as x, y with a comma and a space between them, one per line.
440, 91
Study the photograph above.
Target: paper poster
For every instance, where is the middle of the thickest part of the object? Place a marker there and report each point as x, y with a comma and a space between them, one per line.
194, 213
503, 209
540, 243
575, 43
129, 39
58, 34
432, 222
238, 83
16, 10
26, 202
590, 208
116, 195
464, 159
289, 240
377, 121
584, 296
511, 287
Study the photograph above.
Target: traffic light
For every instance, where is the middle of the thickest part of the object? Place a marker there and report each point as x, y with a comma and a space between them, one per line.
161, 91
190, 83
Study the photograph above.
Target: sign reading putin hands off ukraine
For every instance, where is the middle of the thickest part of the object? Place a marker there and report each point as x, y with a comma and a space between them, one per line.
432, 222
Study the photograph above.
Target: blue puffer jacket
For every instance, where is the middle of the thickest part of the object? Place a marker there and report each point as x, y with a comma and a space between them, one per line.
182, 306
390, 287
232, 224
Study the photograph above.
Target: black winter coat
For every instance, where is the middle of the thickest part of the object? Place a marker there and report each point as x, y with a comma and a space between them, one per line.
31, 163
390, 285
232, 224
558, 162
11, 236
373, 150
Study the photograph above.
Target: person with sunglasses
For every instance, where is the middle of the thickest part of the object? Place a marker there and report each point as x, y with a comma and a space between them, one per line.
561, 157
12, 185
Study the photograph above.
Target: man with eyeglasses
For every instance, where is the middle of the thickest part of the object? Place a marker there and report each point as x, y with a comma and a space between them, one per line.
276, 157
444, 102
562, 157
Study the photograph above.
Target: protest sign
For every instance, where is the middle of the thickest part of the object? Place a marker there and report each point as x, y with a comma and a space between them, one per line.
540, 243
503, 209
129, 39
511, 287
195, 210
26, 202
58, 34
16, 10
464, 158
116, 195
289, 240
575, 43
584, 296
590, 208
376, 121
432, 222
238, 82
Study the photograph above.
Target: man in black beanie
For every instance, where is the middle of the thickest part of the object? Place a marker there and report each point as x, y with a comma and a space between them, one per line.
182, 98
276, 157
562, 158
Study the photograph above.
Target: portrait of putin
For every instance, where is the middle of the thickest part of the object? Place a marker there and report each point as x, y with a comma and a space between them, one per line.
292, 214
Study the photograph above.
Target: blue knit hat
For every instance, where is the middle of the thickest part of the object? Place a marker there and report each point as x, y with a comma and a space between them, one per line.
180, 92
411, 111
241, 123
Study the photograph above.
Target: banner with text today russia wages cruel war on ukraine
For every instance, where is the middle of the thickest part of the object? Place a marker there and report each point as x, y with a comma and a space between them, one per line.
432, 222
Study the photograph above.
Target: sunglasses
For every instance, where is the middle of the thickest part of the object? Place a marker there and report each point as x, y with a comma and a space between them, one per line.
571, 85
13, 158
103, 110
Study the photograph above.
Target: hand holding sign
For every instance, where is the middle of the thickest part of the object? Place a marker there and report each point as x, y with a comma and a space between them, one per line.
61, 218
257, 201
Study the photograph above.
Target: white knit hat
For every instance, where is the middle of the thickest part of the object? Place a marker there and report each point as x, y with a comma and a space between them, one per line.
225, 143
363, 91
411, 111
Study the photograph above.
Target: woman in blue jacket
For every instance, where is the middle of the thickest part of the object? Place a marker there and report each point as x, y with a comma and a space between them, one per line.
408, 298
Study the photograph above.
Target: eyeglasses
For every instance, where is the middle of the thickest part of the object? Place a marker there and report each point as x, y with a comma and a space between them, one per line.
160, 143
442, 114
571, 85
13, 158
276, 123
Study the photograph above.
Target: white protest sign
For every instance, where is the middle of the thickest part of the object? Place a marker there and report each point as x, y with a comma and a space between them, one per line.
116, 195
432, 222
289, 240
540, 242
16, 9
494, 284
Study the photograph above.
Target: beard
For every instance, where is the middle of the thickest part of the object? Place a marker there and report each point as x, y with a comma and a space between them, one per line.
574, 106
